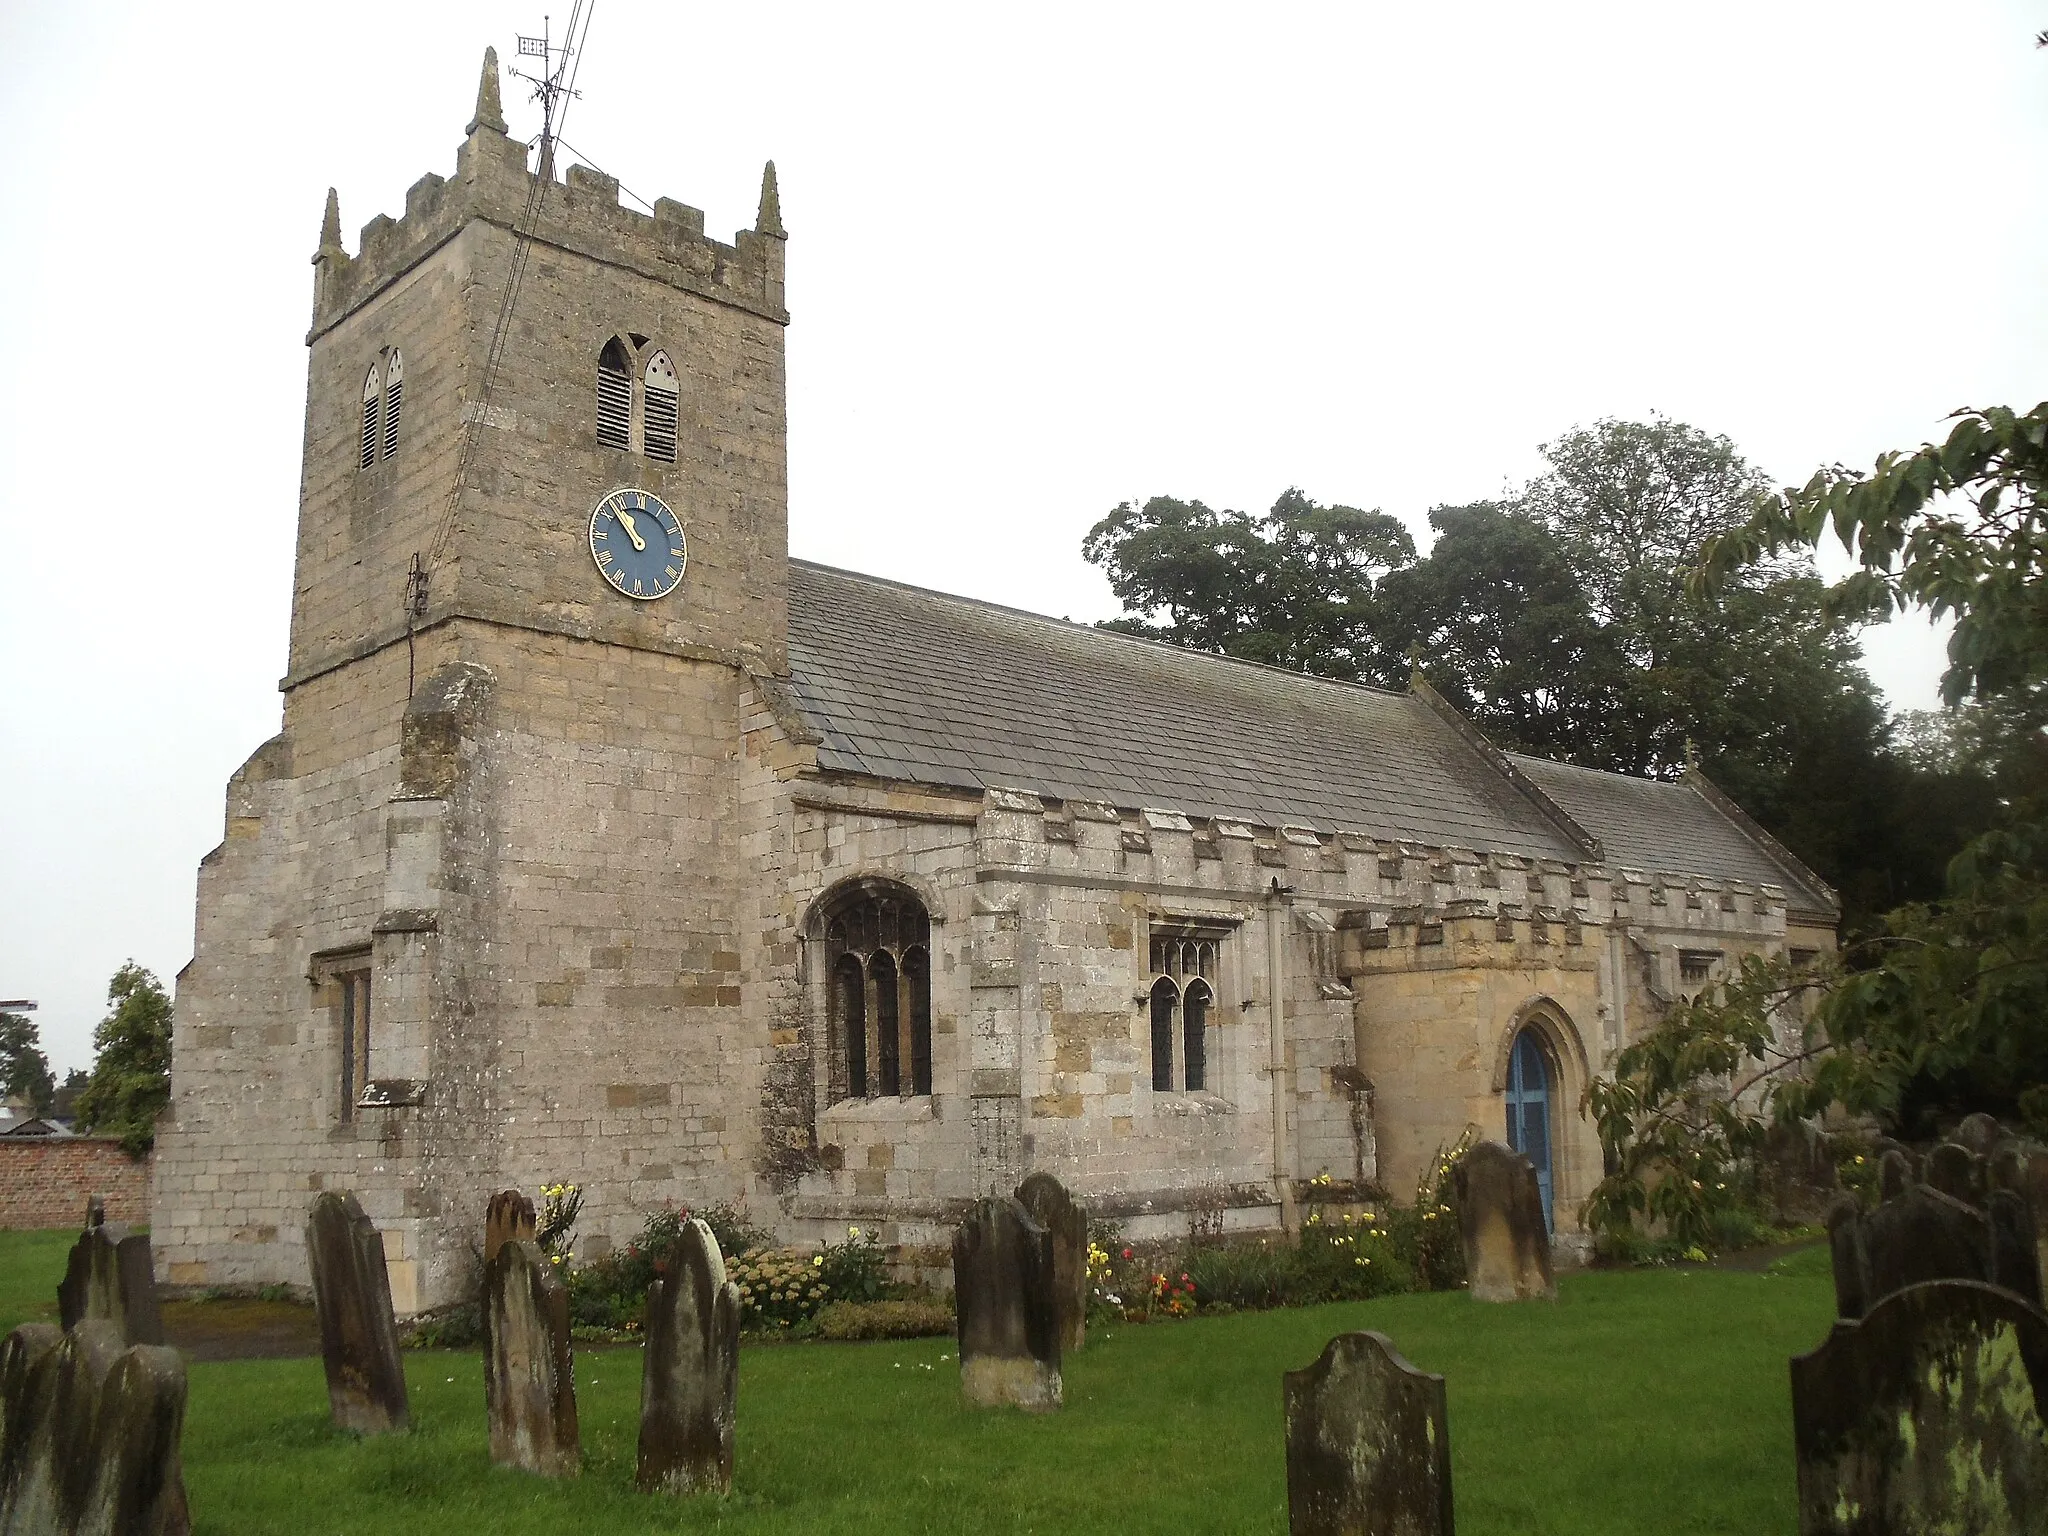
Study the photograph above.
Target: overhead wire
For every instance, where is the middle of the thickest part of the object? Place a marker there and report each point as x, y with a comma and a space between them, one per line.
494, 356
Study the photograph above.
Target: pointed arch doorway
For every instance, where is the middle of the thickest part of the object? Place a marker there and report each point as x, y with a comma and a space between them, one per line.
1528, 1105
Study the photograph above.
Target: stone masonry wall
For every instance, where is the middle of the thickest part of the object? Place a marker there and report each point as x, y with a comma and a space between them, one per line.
44, 1181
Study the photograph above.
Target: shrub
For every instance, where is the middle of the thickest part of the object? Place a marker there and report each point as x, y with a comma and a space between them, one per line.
1426, 1234
779, 1287
885, 1320
853, 1270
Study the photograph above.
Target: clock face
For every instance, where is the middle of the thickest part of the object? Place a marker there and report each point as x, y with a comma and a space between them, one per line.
637, 543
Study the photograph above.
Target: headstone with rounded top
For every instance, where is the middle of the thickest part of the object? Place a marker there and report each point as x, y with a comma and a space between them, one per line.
529, 1368
1956, 1171
1007, 1315
109, 1275
1894, 1173
1924, 1235
1500, 1218
1368, 1444
690, 1372
358, 1333
1930, 1413
1055, 1210
1980, 1133
508, 1218
90, 1433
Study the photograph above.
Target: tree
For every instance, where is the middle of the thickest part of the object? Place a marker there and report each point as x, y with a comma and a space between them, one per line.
1944, 1010
65, 1101
131, 1070
1295, 588
24, 1069
1500, 622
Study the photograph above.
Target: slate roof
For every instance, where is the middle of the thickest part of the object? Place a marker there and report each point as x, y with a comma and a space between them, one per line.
908, 684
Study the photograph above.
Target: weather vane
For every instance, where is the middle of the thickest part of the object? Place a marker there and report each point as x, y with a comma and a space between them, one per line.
554, 83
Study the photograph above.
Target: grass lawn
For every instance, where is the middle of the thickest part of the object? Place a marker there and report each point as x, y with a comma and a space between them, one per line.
1647, 1400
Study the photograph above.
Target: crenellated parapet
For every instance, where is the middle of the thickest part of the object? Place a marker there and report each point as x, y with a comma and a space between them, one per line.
1378, 885
493, 184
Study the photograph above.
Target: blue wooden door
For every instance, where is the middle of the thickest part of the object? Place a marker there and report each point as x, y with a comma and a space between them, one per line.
1529, 1111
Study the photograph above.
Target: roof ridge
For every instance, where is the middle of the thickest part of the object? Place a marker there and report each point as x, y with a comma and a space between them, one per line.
1096, 629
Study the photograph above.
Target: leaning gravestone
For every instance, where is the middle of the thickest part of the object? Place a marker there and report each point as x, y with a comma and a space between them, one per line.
508, 1218
690, 1374
529, 1373
89, 1434
1054, 1209
1500, 1218
1924, 1235
1003, 1295
108, 1275
1926, 1416
1368, 1444
358, 1334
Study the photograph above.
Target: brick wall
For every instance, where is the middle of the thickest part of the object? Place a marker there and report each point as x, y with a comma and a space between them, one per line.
44, 1183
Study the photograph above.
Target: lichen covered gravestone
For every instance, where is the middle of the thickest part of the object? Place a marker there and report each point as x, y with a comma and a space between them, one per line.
358, 1334
1500, 1218
1054, 1209
89, 1434
1368, 1444
1003, 1297
1926, 1416
529, 1372
108, 1276
690, 1375
508, 1218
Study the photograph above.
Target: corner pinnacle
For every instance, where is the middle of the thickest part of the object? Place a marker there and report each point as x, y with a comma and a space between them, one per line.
490, 113
769, 220
330, 226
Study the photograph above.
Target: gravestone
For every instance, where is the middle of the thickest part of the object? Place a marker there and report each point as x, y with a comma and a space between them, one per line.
508, 1218
1008, 1317
1054, 1209
1980, 1133
358, 1334
1500, 1218
1368, 1444
1925, 1235
690, 1375
1925, 1416
89, 1434
1894, 1173
529, 1372
108, 1275
1956, 1171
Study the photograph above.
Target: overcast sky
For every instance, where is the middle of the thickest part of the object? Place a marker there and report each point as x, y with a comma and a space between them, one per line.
1041, 259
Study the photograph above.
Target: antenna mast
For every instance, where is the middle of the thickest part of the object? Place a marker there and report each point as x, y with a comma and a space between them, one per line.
550, 86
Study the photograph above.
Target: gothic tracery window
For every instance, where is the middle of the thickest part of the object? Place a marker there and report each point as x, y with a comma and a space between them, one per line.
394, 397
878, 954
1182, 993
661, 408
373, 395
614, 396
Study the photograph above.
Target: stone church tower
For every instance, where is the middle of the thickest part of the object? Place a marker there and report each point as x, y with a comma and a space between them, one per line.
530, 766
604, 842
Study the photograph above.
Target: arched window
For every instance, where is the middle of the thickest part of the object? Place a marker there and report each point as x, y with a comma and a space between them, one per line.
394, 397
1184, 959
1165, 999
373, 391
614, 396
878, 948
662, 408
1194, 1031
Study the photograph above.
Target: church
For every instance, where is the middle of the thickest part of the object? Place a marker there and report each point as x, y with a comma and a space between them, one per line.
605, 842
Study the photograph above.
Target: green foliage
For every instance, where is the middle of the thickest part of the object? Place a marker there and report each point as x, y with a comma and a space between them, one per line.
131, 1070
1428, 1230
24, 1069
907, 1319
554, 1231
1296, 588
853, 1267
609, 1294
65, 1100
779, 1287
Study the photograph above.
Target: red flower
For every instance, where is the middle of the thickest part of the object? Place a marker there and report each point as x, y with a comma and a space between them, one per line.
1127, 1253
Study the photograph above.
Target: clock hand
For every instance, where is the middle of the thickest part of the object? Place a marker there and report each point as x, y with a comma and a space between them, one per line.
626, 520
